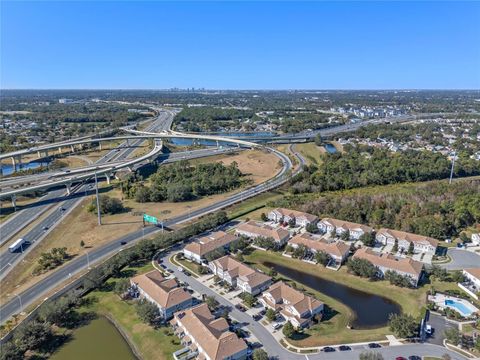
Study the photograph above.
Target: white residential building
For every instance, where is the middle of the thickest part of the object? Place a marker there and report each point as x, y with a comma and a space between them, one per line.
337, 250
254, 230
328, 225
197, 250
285, 215
421, 243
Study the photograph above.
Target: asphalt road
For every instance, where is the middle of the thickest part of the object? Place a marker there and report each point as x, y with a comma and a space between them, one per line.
462, 259
274, 349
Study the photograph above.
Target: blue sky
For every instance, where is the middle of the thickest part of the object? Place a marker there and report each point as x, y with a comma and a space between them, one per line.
240, 45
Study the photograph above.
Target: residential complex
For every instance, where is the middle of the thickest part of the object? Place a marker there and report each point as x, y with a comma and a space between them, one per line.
473, 276
385, 262
208, 338
197, 250
292, 304
337, 250
421, 243
162, 292
254, 230
329, 225
285, 215
239, 275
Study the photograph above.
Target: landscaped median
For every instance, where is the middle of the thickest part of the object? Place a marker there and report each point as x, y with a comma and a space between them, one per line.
334, 328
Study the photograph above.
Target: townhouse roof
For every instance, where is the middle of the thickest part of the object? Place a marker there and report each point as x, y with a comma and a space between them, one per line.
164, 292
211, 334
337, 248
296, 214
208, 243
237, 269
264, 230
410, 237
282, 293
388, 261
347, 225
474, 272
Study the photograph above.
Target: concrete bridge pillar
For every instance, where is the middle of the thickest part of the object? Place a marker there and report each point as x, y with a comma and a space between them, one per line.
14, 163
68, 186
100, 145
59, 149
128, 142
72, 148
218, 145
46, 153
107, 176
14, 202
38, 154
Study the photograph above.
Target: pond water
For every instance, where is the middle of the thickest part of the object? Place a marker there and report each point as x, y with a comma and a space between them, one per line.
371, 311
330, 148
7, 169
99, 340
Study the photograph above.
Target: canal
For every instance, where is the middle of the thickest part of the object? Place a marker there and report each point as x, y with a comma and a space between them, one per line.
370, 310
99, 340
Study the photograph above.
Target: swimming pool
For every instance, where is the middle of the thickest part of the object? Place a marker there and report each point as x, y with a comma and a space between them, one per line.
462, 308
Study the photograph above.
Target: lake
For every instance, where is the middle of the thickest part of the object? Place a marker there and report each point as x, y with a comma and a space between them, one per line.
371, 311
99, 340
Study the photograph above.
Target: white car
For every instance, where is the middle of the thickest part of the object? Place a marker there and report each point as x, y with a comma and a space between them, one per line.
277, 326
180, 269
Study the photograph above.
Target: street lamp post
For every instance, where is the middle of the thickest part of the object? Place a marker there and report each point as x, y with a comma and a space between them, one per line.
20, 299
98, 201
88, 260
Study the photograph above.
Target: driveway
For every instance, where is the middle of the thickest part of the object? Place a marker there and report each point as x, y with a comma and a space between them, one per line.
462, 259
275, 350
439, 324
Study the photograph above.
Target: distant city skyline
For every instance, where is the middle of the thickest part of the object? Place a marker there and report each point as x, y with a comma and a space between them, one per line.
240, 45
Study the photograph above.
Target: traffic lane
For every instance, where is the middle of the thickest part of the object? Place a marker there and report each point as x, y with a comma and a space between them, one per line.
462, 259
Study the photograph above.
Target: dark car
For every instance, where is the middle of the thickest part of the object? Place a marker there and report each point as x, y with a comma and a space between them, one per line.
240, 307
400, 358
328, 349
257, 317
45, 228
414, 357
374, 346
344, 348
123, 243
186, 273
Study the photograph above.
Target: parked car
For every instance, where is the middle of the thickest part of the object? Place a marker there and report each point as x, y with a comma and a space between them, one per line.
374, 346
414, 357
257, 317
328, 349
429, 329
400, 358
277, 326
344, 348
240, 307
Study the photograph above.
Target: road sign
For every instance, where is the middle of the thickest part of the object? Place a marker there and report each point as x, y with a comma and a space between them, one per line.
150, 219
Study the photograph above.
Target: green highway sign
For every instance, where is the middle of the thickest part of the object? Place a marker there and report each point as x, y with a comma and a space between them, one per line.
150, 219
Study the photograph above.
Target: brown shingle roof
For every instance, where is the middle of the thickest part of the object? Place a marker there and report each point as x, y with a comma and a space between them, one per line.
410, 237
165, 292
211, 334
206, 244
347, 224
474, 272
244, 272
389, 261
264, 230
338, 248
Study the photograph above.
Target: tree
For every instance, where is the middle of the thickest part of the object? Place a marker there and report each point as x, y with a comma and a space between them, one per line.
439, 273
33, 335
411, 248
368, 239
395, 247
403, 325
321, 257
147, 312
292, 222
260, 354
264, 217
211, 302
9, 351
240, 257
453, 335
82, 243
288, 329
362, 267
370, 355
345, 236
248, 299
311, 228
270, 314
121, 286
108, 205
59, 311
458, 277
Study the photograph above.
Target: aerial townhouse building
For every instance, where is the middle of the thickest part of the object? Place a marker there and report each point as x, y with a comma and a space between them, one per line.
421, 243
337, 250
328, 225
285, 215
254, 230
404, 266
165, 293
199, 249
292, 304
239, 275
206, 337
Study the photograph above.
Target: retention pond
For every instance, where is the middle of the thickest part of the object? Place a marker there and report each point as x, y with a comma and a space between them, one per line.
370, 310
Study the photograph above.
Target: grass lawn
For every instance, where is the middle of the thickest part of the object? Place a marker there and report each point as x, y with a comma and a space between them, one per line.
190, 265
311, 152
151, 343
334, 330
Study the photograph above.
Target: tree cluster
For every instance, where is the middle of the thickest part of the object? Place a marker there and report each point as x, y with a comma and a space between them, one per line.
108, 205
362, 267
51, 260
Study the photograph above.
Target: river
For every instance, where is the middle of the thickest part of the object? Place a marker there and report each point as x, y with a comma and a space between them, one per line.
99, 340
371, 311
7, 169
